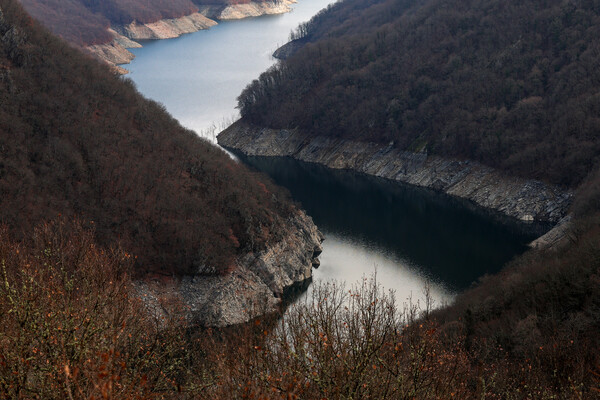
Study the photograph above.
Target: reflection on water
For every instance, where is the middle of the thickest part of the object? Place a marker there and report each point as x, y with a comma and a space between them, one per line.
410, 234
349, 260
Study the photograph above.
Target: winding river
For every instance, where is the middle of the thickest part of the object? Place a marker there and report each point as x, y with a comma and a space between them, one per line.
411, 237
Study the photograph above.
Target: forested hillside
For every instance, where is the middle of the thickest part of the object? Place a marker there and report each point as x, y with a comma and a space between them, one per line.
85, 22
77, 141
513, 84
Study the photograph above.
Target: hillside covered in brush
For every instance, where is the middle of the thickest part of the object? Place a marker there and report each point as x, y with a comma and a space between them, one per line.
512, 84
86, 22
77, 141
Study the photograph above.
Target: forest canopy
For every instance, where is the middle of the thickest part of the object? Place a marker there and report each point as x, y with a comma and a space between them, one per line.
78, 141
512, 84
85, 22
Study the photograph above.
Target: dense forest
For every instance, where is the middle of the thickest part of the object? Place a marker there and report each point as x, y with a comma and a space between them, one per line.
513, 84
71, 329
77, 141
128, 190
85, 22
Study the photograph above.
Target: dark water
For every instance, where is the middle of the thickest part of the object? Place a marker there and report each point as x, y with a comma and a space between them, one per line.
432, 235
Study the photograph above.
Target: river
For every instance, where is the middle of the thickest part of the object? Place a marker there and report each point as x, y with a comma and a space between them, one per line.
199, 76
411, 237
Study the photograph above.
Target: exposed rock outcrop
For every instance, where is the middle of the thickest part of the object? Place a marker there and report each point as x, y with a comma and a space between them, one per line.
165, 28
523, 199
115, 52
125, 36
556, 237
254, 288
246, 10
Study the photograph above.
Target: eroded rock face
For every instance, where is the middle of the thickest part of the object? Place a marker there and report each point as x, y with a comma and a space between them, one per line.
526, 200
557, 237
125, 36
252, 9
165, 28
115, 52
254, 288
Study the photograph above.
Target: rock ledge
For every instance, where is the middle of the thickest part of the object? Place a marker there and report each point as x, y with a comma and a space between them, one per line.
254, 288
125, 36
524, 199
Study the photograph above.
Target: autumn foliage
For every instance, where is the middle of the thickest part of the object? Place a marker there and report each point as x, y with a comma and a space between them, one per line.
73, 325
512, 84
98, 185
86, 22
78, 141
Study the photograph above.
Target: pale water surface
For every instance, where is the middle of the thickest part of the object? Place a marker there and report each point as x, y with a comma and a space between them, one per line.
410, 238
199, 76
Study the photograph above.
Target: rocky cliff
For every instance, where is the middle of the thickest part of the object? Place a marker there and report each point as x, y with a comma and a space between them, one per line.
125, 36
250, 9
523, 199
254, 288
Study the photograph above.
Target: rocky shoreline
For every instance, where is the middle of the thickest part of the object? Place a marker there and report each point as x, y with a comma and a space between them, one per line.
246, 10
522, 199
254, 288
125, 37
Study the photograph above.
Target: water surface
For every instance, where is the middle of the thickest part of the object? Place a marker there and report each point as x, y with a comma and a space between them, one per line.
409, 236
199, 76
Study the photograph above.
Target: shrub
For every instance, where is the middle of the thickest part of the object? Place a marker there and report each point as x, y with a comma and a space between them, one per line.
70, 325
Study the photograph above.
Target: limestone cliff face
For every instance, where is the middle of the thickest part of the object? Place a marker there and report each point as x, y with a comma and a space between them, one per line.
165, 28
523, 199
251, 9
115, 52
125, 36
254, 288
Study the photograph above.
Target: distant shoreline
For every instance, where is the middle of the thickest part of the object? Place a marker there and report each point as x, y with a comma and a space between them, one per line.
116, 53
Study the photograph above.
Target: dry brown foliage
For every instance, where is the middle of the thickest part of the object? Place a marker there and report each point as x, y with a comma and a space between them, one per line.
71, 327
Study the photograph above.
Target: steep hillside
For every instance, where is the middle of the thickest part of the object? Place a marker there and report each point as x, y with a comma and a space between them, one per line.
85, 22
106, 29
511, 84
401, 88
77, 141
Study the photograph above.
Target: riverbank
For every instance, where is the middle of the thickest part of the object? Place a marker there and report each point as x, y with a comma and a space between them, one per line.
523, 199
246, 10
255, 287
125, 37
